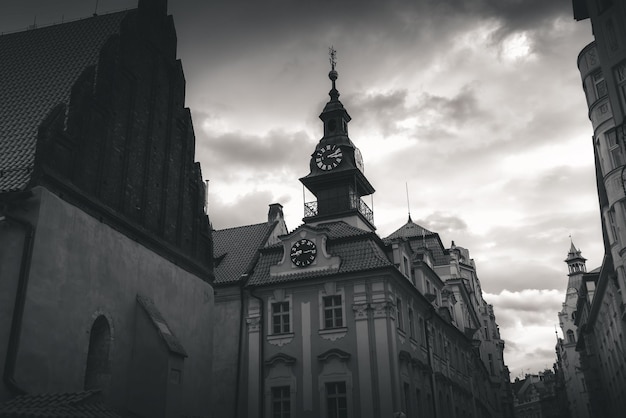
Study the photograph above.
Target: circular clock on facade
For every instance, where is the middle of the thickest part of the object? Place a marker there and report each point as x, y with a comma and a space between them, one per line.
303, 252
358, 158
328, 157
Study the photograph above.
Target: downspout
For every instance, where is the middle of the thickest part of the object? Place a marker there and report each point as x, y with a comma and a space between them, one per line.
261, 354
240, 343
430, 365
18, 307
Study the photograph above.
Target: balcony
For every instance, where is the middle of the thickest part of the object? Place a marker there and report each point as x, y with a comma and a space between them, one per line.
338, 205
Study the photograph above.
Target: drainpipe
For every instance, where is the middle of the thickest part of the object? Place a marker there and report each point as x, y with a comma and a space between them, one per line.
18, 307
432, 372
239, 342
261, 354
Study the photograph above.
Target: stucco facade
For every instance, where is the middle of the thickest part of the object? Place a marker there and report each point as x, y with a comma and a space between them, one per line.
335, 321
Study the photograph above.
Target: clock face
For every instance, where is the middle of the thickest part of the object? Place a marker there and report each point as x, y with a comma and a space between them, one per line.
303, 252
358, 158
328, 157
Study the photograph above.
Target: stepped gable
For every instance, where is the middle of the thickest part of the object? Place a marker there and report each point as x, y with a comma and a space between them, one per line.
359, 250
235, 250
93, 110
38, 68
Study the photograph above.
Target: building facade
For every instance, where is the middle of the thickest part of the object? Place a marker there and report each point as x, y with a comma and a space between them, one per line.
569, 358
601, 308
330, 320
105, 245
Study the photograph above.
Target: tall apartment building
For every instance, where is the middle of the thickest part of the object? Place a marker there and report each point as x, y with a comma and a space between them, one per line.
569, 358
601, 308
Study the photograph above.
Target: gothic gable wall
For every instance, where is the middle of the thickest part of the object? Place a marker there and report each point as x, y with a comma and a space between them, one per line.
125, 142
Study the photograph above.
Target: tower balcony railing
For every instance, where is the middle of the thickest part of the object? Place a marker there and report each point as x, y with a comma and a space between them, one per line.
338, 205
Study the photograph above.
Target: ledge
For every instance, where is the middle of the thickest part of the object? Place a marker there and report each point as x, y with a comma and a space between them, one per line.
280, 339
333, 334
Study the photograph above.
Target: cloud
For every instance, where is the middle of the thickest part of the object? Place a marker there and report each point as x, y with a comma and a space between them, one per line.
527, 319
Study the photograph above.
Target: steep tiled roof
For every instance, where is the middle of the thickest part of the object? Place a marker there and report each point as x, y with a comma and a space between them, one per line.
236, 248
420, 237
37, 70
409, 229
360, 253
173, 344
61, 405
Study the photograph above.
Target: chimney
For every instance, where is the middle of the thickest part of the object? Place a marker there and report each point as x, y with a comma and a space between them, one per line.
275, 213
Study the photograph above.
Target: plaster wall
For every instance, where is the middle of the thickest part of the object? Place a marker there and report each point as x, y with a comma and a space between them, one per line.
82, 268
225, 350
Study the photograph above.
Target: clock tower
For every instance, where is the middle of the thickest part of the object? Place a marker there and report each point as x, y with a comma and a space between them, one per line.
337, 176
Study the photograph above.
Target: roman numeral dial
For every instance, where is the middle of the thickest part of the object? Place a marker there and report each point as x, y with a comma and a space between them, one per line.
328, 157
303, 252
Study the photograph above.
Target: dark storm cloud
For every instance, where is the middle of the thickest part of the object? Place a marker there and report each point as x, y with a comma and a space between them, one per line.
435, 112
276, 150
249, 209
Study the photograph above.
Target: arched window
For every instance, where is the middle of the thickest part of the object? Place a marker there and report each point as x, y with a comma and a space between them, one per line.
97, 373
570, 336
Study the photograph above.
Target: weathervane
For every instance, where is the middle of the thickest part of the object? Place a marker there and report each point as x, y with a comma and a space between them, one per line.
333, 57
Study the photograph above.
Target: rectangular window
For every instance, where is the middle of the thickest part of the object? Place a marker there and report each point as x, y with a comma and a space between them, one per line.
422, 329
407, 269
333, 311
399, 313
280, 318
614, 148
281, 402
411, 324
620, 76
613, 225
491, 371
336, 400
599, 84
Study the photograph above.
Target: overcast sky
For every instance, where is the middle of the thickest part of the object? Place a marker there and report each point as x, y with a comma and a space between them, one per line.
477, 105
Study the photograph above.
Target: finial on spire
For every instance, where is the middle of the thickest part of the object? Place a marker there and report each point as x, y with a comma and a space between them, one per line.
334, 94
408, 203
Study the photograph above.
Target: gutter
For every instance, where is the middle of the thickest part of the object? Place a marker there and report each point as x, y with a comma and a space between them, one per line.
261, 353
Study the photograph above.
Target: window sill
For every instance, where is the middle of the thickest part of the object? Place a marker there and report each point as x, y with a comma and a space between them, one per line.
333, 334
280, 339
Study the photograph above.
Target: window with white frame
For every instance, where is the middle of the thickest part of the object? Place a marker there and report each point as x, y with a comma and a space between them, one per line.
599, 84
614, 149
611, 216
333, 311
620, 77
280, 318
336, 400
281, 402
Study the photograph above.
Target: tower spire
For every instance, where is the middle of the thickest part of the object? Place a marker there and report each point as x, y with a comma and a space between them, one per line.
333, 75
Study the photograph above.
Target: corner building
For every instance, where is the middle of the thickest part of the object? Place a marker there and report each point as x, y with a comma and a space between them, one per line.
601, 308
331, 320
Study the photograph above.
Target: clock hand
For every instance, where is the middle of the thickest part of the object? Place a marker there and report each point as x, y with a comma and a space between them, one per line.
335, 154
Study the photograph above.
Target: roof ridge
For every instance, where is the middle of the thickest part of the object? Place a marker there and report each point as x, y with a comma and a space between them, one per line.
36, 26
241, 226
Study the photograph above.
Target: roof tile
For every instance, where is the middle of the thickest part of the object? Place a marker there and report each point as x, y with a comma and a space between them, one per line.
38, 68
236, 248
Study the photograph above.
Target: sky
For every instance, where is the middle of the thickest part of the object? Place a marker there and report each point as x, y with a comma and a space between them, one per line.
474, 107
